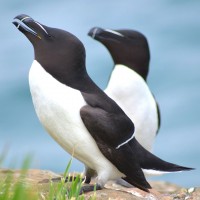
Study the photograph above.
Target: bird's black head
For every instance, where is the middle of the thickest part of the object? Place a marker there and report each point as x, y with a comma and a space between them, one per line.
58, 51
127, 47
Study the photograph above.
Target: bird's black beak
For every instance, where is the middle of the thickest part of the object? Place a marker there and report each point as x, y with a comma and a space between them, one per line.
95, 32
104, 34
29, 27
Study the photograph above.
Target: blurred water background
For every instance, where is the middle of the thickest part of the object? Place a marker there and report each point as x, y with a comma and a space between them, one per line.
173, 32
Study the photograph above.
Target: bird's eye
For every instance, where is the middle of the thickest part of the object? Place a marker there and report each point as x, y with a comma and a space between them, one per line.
51, 36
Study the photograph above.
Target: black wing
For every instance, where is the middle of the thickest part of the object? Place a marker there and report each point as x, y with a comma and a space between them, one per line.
159, 116
109, 131
110, 128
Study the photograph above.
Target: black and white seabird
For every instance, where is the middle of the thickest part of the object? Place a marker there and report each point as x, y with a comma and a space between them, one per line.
127, 85
78, 114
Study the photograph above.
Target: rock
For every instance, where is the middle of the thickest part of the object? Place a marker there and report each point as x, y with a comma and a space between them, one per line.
39, 180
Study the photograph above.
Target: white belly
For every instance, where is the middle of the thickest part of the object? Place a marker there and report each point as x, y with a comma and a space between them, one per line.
132, 94
58, 109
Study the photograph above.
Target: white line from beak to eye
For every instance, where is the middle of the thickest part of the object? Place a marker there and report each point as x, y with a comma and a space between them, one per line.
114, 32
41, 27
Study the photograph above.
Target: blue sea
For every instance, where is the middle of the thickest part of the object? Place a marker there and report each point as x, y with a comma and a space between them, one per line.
173, 32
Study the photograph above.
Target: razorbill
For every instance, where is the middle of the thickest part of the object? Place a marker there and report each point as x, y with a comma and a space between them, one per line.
127, 85
78, 114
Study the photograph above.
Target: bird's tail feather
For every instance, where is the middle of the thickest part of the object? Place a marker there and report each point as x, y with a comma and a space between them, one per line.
144, 186
153, 164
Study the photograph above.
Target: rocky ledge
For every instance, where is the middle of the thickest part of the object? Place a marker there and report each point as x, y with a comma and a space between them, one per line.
161, 190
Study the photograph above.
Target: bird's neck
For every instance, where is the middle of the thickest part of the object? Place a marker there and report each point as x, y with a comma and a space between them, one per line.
141, 70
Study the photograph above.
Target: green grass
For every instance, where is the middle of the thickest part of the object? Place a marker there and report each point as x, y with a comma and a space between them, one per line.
71, 189
12, 189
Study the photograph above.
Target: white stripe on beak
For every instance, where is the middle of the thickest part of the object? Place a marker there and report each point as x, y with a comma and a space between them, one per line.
114, 32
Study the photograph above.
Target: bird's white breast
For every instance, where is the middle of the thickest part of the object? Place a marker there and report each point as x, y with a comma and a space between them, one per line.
58, 109
132, 94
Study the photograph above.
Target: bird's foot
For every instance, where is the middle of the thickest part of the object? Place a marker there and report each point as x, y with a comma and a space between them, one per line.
90, 188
